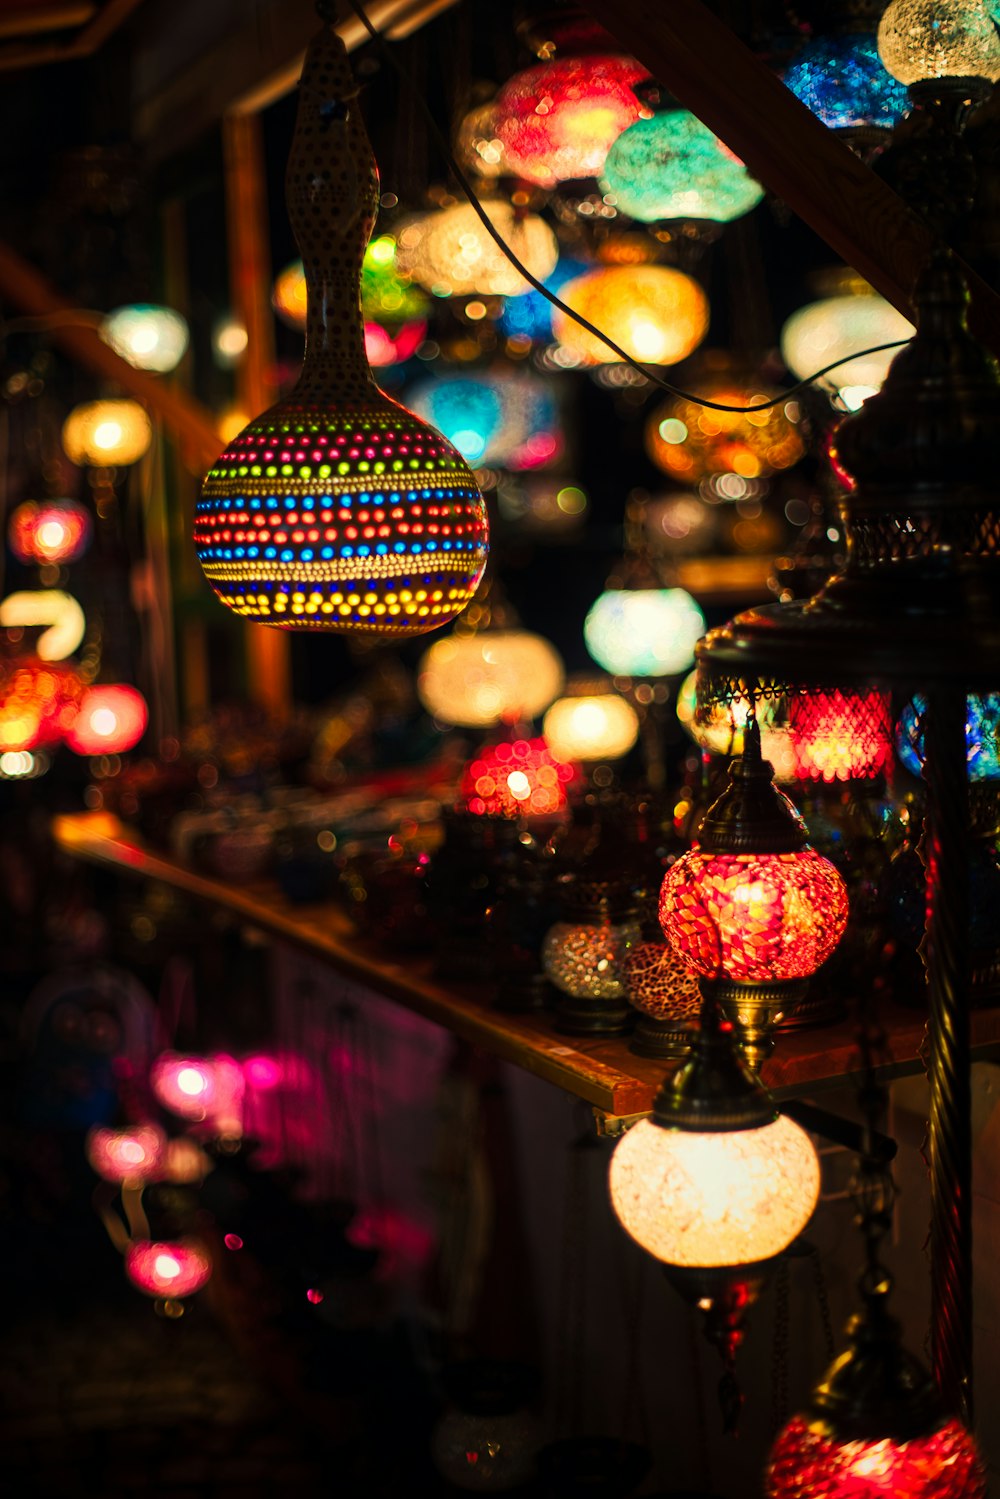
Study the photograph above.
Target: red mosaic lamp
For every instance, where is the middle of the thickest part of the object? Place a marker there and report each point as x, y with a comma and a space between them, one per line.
338, 509
752, 908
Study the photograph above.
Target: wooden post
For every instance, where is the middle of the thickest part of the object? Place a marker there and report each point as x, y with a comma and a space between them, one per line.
268, 652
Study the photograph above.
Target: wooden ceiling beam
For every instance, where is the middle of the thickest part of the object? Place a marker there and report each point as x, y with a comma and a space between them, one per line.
701, 60
93, 36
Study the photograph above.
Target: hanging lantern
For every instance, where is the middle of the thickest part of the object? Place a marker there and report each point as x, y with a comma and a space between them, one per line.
692, 442
106, 434
680, 525
519, 779
338, 509
395, 311
558, 120
982, 736
174, 1268
489, 677
111, 720
451, 253
673, 167
135, 1154
928, 39
837, 328
656, 314
841, 79
38, 702
591, 726
229, 342
510, 421
643, 632
49, 532
147, 337
752, 908
478, 147
202, 1089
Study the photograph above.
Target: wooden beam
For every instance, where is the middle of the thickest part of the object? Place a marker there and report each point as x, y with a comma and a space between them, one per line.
269, 667
190, 425
687, 48
84, 44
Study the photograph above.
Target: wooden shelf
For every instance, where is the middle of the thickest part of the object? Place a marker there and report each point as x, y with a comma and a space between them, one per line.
600, 1071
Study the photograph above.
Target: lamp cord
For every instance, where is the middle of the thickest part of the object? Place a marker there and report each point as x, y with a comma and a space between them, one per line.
325, 10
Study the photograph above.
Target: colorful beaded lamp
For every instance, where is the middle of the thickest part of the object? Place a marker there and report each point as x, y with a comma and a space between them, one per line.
338, 509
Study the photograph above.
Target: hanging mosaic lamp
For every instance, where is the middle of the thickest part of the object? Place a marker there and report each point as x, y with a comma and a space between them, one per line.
930, 39
643, 632
658, 315
492, 676
982, 735
529, 316
838, 327
518, 778
692, 442
106, 434
672, 167
478, 148
753, 908
591, 726
452, 254
147, 337
111, 720
49, 532
842, 80
338, 509
558, 120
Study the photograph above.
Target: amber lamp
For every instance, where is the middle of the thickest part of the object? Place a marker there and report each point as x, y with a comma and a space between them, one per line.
107, 434
655, 313
753, 909
337, 509
489, 677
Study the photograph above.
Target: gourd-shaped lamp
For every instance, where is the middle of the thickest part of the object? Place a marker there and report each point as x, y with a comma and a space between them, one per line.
338, 509
752, 908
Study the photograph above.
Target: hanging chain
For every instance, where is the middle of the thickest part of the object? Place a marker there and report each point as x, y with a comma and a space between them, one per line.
779, 1347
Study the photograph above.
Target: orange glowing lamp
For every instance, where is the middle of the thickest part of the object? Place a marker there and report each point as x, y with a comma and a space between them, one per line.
111, 720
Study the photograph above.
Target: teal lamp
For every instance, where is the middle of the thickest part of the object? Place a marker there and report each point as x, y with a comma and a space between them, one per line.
672, 167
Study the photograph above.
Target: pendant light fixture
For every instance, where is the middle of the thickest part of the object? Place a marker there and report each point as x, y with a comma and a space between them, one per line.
337, 509
672, 167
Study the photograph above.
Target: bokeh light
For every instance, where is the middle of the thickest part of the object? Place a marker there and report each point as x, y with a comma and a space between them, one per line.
643, 632
691, 442
107, 434
558, 120
519, 779
50, 532
147, 337
451, 254
111, 720
133, 1154
172, 1268
591, 726
658, 315
38, 703
495, 675
837, 328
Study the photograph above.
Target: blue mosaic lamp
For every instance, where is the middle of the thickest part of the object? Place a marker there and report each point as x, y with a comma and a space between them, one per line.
842, 80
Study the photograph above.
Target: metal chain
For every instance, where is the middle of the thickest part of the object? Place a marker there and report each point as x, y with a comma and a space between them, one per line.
779, 1347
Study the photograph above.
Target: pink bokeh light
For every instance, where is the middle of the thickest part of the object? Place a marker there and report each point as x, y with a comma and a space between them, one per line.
133, 1154
172, 1268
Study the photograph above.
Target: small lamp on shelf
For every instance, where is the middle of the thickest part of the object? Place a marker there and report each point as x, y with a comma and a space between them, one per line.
753, 908
584, 953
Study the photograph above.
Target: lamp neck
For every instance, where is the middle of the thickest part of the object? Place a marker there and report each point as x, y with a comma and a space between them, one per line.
331, 189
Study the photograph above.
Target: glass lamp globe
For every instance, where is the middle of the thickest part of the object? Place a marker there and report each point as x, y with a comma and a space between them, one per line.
450, 253
49, 532
836, 328
691, 442
643, 632
395, 311
111, 720
558, 120
841, 79
288, 297
585, 958
174, 1268
338, 509
494, 675
658, 315
928, 39
477, 144
982, 736
699, 1200
591, 727
510, 421
672, 167
147, 337
134, 1154
809, 1462
105, 434
518, 779
530, 316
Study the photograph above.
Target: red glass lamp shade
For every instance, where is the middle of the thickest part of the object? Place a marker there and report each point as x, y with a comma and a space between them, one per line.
757, 918
558, 120
47, 532
809, 1461
840, 736
134, 1154
38, 703
110, 721
337, 509
515, 780
172, 1269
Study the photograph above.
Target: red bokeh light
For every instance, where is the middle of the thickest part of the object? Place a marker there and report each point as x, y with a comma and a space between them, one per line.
110, 721
774, 916
133, 1154
384, 346
809, 1462
560, 119
49, 531
38, 703
840, 736
174, 1268
519, 779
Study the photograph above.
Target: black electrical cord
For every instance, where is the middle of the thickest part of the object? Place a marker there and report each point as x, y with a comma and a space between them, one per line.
325, 10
